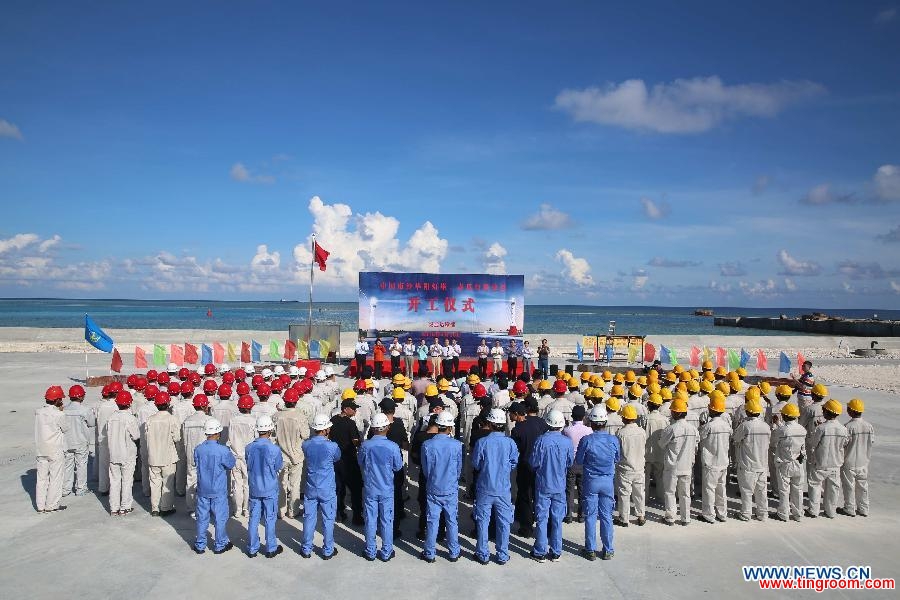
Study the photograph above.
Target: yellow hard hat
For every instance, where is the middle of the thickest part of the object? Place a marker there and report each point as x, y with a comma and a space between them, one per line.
666, 393
784, 391
671, 377
732, 376
833, 406
723, 387
370, 384
612, 404
692, 386
607, 376
682, 395
348, 394
617, 390
707, 365
630, 377
653, 375
741, 372
431, 390
819, 390
706, 387
717, 401
398, 394
684, 376
589, 393
655, 399
856, 405
619, 378
596, 381
694, 374
585, 376
678, 406
545, 385
653, 388
407, 384
681, 387
709, 376
443, 385
473, 379
764, 387
678, 369
398, 379
629, 412
721, 372
636, 391
736, 386
752, 406
560, 374
752, 392
790, 410
642, 381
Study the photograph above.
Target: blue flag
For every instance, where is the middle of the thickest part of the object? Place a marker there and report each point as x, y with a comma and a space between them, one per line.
579, 351
255, 349
664, 356
785, 365
95, 336
745, 358
205, 355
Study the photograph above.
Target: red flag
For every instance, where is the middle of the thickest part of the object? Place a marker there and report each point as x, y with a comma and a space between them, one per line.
800, 361
321, 255
596, 349
695, 357
290, 350
721, 360
190, 354
140, 360
245, 352
177, 355
218, 353
116, 364
649, 352
762, 363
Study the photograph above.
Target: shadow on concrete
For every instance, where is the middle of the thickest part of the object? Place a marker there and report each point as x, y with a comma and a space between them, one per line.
29, 484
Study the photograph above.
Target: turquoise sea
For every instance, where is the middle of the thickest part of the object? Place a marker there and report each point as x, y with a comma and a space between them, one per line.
276, 316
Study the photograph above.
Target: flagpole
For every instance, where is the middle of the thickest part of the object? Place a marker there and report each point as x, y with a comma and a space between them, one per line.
86, 373
311, 274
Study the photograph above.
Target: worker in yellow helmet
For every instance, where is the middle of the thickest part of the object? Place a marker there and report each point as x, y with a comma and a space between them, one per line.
715, 442
613, 420
629, 480
855, 470
679, 442
789, 448
829, 441
635, 395
783, 395
654, 454
751, 448
707, 366
811, 417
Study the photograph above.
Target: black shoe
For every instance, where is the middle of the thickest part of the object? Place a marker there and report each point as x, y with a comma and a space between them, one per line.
684, 523
795, 518
224, 549
778, 517
198, 550
539, 559
453, 558
567, 520
553, 556
669, 522
589, 554
580, 519
426, 558
705, 519
154, 513
720, 519
166, 513
252, 554
358, 520
620, 522
481, 561
846, 513
641, 521
742, 517
276, 552
369, 558
808, 513
330, 556
607, 555
305, 554
388, 558
342, 516
500, 562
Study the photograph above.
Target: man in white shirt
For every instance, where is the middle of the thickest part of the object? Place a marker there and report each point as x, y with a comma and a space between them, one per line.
436, 352
396, 351
497, 357
482, 353
359, 355
409, 351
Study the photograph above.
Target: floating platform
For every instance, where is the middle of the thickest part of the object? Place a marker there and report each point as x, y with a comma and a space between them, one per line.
847, 327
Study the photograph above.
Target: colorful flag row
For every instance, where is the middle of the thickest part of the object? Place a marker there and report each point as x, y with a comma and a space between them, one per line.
218, 353
730, 359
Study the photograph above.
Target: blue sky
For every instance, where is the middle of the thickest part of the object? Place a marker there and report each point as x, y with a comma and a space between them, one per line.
668, 153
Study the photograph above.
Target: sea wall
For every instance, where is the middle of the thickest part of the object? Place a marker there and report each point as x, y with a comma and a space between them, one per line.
825, 327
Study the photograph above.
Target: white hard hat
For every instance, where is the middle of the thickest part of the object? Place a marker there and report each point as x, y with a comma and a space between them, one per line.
380, 421
302, 371
598, 414
453, 388
200, 370
293, 371
329, 372
267, 373
497, 416
224, 368
264, 423
320, 375
279, 370
555, 418
212, 427
445, 419
320, 423
172, 368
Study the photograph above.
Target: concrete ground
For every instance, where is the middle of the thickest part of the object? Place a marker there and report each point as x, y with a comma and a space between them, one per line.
84, 553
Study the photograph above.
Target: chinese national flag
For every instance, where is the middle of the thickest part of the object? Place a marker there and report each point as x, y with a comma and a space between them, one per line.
190, 354
140, 359
290, 350
218, 353
176, 355
116, 364
321, 255
245, 352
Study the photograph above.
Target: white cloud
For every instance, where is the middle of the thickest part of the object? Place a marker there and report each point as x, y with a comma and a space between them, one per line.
241, 173
886, 16
847, 287
720, 287
860, 270
547, 218
790, 285
670, 263
49, 243
577, 270
493, 259
264, 260
654, 210
824, 194
682, 106
732, 269
18, 242
795, 267
887, 182
367, 242
10, 130
639, 279
759, 288
895, 286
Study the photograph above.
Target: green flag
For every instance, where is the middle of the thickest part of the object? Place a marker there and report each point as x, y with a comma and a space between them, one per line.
734, 361
159, 355
673, 360
273, 350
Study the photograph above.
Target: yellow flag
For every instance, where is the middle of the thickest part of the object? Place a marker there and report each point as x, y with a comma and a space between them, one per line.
707, 354
632, 353
303, 349
232, 355
324, 347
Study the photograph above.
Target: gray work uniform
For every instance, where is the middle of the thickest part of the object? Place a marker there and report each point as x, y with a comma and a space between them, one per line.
828, 443
81, 421
50, 430
679, 442
855, 470
789, 450
715, 440
162, 432
630, 470
751, 448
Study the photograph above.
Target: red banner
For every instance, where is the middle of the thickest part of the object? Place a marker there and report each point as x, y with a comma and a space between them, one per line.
116, 364
190, 354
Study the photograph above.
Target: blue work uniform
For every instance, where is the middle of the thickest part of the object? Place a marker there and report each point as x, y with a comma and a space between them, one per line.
551, 457
379, 458
213, 461
598, 454
442, 467
494, 457
319, 454
264, 461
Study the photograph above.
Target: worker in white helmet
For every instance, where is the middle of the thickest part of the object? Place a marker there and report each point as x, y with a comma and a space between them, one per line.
441, 462
213, 461
264, 461
598, 454
320, 493
379, 458
551, 457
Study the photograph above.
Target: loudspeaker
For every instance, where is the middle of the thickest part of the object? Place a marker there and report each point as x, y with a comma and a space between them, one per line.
554, 369
569, 369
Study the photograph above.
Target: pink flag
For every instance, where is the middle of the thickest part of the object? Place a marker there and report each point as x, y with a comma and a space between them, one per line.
762, 363
695, 357
800, 361
721, 360
218, 353
176, 355
140, 359
596, 349
649, 352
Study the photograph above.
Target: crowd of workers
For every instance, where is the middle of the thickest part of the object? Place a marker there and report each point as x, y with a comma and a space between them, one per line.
591, 448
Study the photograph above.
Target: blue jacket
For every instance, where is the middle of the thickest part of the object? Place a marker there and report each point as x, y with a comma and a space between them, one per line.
264, 461
442, 465
378, 459
598, 454
494, 457
320, 454
213, 461
551, 457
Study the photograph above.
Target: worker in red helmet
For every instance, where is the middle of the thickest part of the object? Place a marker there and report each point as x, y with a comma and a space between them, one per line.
256, 380
187, 390
192, 435
162, 432
129, 381
240, 375
210, 387
242, 433
50, 430
209, 370
140, 383
151, 375
243, 388
162, 379
222, 410
184, 374
291, 430
121, 434
181, 408
196, 379
78, 442
102, 412
228, 377
561, 401
142, 412
264, 407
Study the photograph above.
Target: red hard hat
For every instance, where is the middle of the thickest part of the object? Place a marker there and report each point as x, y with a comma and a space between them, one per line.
291, 395
174, 389
209, 369
162, 378
76, 391
277, 385
151, 375
256, 380
150, 391
243, 388
140, 383
560, 387
519, 387
285, 378
131, 380
479, 391
161, 399
209, 386
195, 378
228, 377
186, 387
240, 374
306, 386
201, 401
263, 390
54, 393
104, 391
184, 373
245, 401
359, 385
123, 398
115, 387
224, 391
